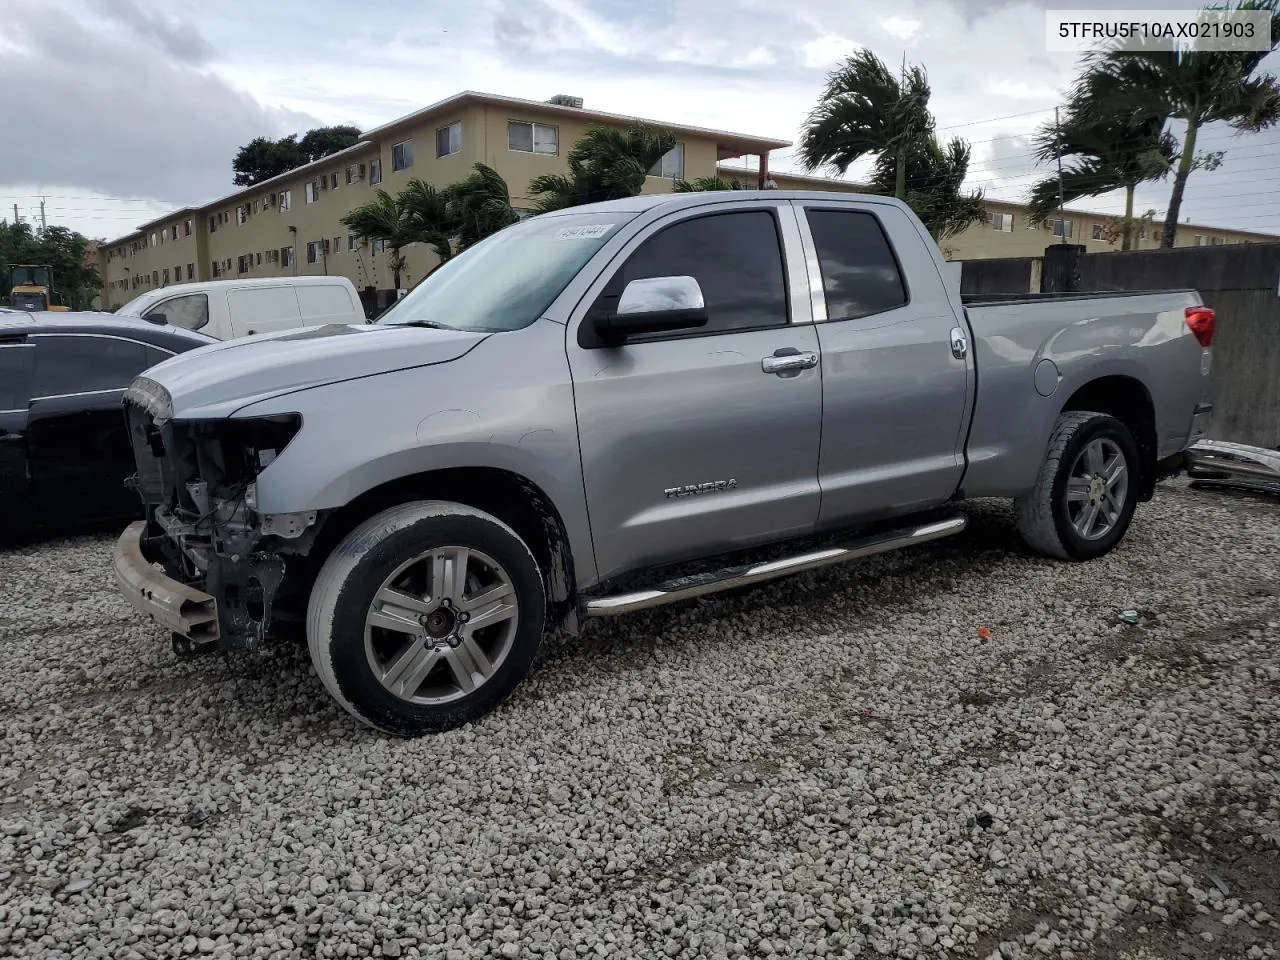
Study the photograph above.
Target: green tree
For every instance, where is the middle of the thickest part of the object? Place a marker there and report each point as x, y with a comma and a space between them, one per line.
865, 110
448, 219
1101, 153
1197, 87
934, 175
705, 183
263, 158
478, 206
386, 219
75, 283
605, 164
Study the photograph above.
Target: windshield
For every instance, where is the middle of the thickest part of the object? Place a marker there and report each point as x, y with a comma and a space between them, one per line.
31, 277
506, 281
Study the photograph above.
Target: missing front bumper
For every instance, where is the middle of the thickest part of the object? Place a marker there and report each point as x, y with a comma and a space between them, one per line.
181, 609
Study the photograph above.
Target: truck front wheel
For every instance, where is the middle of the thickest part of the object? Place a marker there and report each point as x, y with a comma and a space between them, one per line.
425, 617
1086, 491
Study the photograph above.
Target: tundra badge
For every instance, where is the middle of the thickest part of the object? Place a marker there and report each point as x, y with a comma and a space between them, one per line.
696, 489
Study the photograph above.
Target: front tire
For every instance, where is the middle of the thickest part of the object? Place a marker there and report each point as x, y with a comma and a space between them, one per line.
1086, 491
425, 617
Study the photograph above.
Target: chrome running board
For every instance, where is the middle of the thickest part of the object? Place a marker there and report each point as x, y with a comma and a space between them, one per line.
684, 588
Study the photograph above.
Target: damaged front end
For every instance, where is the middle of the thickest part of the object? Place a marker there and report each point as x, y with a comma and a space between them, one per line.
198, 480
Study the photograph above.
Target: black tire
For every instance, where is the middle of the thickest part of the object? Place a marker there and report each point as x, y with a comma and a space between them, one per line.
1044, 518
354, 573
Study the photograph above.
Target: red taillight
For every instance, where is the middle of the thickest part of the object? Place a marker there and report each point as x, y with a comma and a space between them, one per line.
1200, 323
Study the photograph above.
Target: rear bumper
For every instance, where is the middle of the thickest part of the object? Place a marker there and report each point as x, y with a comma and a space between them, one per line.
1200, 422
174, 605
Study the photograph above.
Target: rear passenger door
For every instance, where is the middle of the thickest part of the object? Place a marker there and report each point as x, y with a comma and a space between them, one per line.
262, 309
894, 395
700, 441
78, 443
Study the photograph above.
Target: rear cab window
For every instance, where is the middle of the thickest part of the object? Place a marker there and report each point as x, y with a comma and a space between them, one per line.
860, 274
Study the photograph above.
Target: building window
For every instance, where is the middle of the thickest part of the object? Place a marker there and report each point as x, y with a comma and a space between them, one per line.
1216, 241
1060, 228
375, 170
242, 264
257, 260
1197, 241
1098, 232
312, 191
242, 213
286, 256
313, 251
166, 275
333, 181
154, 241
191, 271
155, 277
352, 241
177, 273
402, 155
1001, 221
186, 228
531, 137
671, 165
286, 200
449, 139
378, 246
174, 232
337, 244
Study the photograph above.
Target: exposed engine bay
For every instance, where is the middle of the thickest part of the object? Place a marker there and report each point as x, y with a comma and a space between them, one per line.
197, 479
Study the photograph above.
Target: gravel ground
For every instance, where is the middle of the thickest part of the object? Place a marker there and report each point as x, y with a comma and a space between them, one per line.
840, 764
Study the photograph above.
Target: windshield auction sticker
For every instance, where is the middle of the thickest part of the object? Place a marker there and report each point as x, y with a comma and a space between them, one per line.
592, 231
1081, 31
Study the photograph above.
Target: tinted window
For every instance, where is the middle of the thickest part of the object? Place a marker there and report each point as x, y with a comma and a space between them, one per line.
736, 259
190, 312
156, 355
80, 364
15, 380
859, 273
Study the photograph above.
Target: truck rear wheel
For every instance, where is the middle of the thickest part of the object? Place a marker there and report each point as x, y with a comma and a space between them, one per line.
1087, 489
425, 617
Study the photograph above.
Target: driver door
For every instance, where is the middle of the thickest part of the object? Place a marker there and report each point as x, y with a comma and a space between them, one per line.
696, 442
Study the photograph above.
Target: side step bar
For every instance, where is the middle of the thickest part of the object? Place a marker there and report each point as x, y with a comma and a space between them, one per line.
684, 588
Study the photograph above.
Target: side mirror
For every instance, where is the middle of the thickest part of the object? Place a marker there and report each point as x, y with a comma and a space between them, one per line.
156, 318
654, 305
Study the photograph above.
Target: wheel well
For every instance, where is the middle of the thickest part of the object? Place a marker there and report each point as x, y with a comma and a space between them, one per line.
1129, 402
514, 500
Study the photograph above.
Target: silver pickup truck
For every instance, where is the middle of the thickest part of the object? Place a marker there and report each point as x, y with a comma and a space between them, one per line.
625, 404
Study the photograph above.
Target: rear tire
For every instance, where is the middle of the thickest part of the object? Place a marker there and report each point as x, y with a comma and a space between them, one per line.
1086, 491
425, 617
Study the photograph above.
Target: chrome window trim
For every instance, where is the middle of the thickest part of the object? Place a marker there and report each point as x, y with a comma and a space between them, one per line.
105, 336
83, 393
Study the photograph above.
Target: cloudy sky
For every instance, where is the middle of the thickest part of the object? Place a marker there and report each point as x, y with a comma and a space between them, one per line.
116, 110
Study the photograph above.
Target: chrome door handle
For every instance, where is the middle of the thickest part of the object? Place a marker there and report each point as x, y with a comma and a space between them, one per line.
959, 343
789, 362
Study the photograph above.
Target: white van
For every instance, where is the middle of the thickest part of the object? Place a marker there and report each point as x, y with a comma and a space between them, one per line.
237, 308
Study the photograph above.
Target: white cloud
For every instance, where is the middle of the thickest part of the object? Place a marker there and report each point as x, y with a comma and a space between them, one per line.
827, 50
901, 28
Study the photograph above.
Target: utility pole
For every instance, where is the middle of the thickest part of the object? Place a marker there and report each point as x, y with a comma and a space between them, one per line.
44, 224
16, 221
1062, 206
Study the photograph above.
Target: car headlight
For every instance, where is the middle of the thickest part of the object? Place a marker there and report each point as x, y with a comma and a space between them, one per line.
151, 397
255, 441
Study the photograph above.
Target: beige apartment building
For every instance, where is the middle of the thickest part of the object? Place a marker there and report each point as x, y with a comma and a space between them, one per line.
291, 224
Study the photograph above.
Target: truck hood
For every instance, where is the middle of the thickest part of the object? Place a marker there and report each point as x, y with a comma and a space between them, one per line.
218, 379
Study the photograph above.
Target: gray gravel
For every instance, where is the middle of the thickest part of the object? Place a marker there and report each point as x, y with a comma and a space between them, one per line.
835, 765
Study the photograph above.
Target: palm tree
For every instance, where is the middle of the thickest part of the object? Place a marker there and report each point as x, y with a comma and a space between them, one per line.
865, 110
384, 219
934, 173
1103, 153
428, 217
1198, 87
605, 164
705, 183
479, 205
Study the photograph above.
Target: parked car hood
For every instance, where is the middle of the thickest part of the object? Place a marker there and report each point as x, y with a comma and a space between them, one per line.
218, 379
